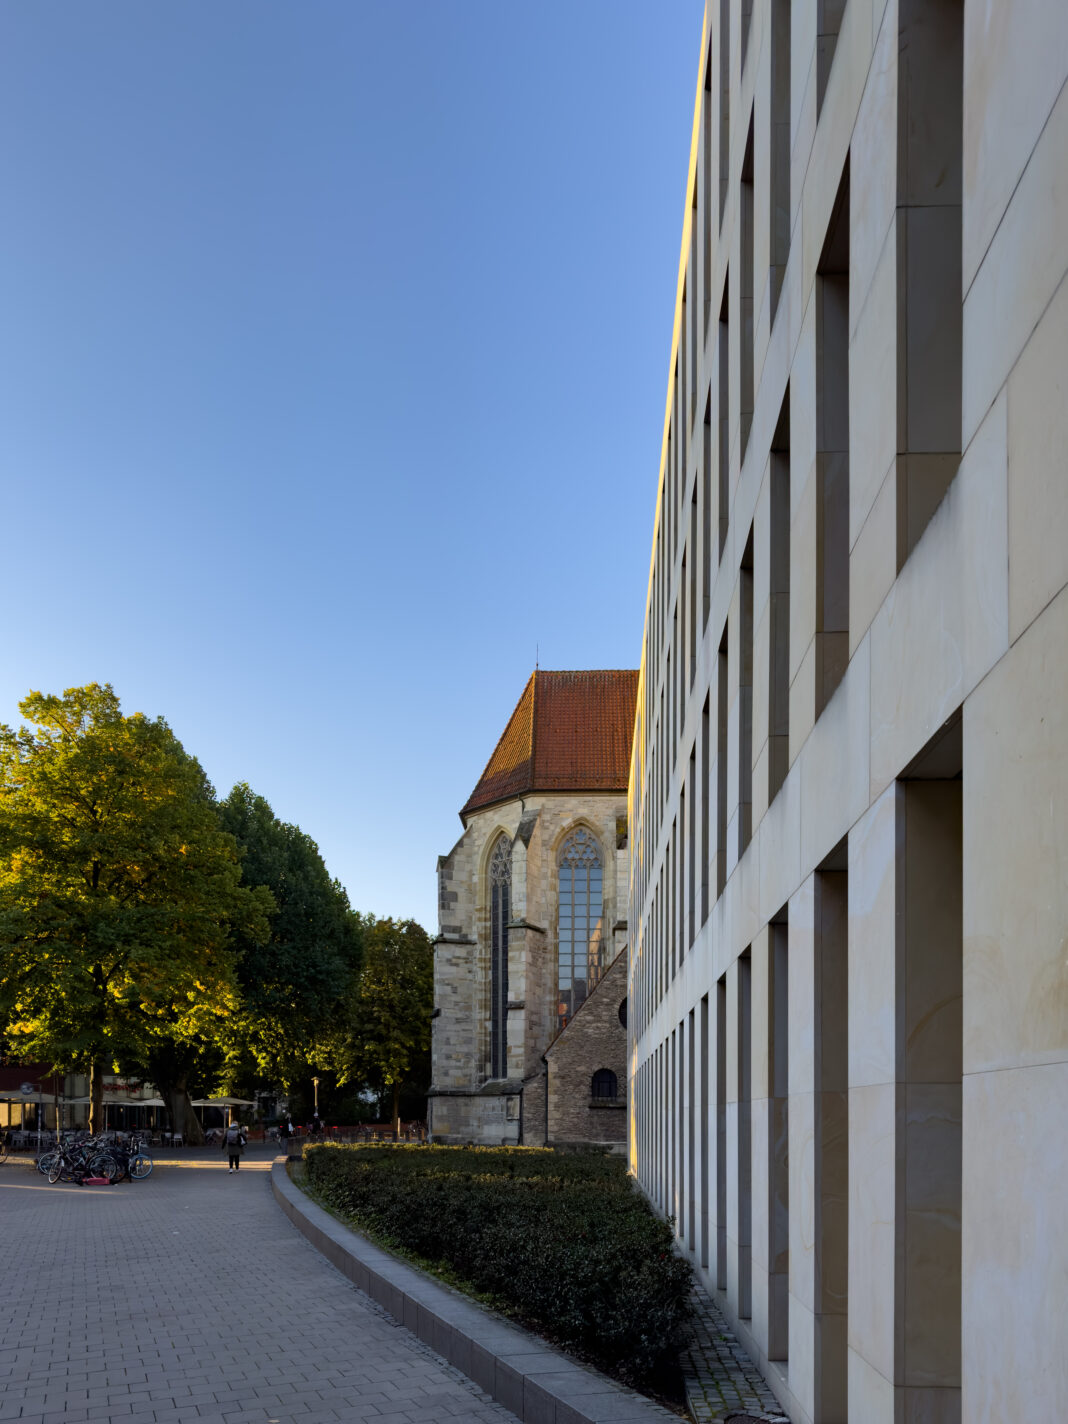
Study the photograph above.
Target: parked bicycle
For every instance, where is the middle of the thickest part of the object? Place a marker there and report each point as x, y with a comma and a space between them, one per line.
96, 1157
70, 1163
70, 1141
121, 1161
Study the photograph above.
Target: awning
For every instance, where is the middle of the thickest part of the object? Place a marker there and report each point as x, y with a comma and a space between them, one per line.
223, 1103
117, 1102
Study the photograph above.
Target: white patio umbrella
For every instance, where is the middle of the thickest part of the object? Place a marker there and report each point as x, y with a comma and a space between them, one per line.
227, 1104
223, 1103
36, 1096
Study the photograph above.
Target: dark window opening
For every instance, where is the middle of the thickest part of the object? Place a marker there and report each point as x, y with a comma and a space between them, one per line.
779, 206
745, 310
828, 23
832, 452
723, 411
724, 103
745, 698
779, 606
500, 914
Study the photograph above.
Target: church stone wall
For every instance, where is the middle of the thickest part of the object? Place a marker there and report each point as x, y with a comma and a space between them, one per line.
465, 1103
596, 1038
454, 1038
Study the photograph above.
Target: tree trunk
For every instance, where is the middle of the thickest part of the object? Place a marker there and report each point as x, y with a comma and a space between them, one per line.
183, 1118
396, 1112
193, 1131
170, 1065
96, 1096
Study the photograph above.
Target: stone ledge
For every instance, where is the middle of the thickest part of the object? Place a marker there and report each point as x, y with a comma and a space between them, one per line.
492, 1088
537, 1383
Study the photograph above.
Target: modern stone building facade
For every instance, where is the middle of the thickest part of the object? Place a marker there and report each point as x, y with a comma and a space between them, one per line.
849, 789
532, 924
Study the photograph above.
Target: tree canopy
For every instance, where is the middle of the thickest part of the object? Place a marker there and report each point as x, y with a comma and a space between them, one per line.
145, 926
293, 981
386, 1031
119, 888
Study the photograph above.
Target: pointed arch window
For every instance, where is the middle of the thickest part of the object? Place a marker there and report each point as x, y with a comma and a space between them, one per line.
580, 929
500, 877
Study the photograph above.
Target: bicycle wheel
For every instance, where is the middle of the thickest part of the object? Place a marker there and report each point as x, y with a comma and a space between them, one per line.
141, 1167
46, 1161
104, 1165
55, 1171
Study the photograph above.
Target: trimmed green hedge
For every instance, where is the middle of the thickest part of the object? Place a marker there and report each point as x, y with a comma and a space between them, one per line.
565, 1239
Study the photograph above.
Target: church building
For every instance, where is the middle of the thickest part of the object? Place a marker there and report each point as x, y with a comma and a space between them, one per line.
529, 1030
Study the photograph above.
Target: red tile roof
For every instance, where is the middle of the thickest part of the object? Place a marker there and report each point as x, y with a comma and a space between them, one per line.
570, 731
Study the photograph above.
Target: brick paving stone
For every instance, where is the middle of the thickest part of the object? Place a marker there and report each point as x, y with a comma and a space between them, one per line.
189, 1298
721, 1380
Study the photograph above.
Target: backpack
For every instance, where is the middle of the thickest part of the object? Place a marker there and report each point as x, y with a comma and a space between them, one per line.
233, 1136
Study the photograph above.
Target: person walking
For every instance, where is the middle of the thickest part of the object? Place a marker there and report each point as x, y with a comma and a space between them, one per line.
285, 1132
234, 1143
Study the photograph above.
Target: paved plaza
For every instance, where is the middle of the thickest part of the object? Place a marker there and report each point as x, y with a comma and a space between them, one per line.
191, 1297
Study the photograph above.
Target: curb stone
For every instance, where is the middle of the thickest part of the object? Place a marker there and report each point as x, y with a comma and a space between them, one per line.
537, 1383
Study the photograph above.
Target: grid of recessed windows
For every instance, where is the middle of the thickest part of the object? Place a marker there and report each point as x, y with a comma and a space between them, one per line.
580, 936
500, 875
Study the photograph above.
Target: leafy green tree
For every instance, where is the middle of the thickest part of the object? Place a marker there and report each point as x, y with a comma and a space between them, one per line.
295, 982
119, 890
386, 1036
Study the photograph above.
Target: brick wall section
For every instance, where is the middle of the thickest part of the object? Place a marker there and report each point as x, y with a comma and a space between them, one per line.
594, 1039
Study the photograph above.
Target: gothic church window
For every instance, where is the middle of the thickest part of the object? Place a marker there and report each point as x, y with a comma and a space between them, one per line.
603, 1084
580, 937
500, 877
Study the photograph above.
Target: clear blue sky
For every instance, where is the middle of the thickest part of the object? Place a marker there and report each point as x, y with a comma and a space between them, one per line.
334, 342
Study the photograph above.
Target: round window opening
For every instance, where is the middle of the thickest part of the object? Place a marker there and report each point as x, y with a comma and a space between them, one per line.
623, 1013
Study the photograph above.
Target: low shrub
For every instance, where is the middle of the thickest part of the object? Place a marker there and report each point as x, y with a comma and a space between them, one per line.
564, 1239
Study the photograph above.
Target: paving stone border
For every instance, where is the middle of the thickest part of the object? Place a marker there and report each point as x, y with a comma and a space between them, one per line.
537, 1383
722, 1382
